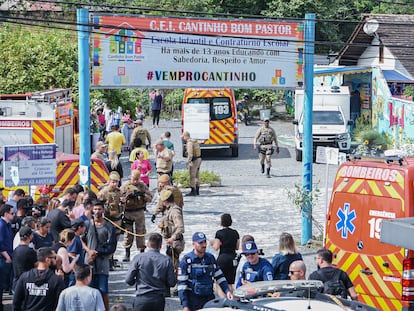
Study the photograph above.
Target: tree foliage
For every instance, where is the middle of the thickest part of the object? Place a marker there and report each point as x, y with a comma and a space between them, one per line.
36, 60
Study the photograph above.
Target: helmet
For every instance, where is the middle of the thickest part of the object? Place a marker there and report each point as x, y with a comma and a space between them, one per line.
246, 96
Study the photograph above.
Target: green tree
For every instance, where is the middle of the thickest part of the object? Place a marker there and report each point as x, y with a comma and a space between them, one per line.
34, 60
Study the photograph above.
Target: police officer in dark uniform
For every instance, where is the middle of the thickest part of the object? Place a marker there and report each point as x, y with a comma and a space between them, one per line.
265, 137
196, 274
135, 195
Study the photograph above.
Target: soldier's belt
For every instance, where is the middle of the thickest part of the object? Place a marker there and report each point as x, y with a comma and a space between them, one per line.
266, 144
195, 158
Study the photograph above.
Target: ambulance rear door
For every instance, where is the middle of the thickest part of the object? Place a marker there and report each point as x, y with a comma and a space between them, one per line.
197, 118
358, 206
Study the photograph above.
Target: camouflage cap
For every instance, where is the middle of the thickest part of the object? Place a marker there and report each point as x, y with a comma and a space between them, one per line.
164, 178
114, 176
165, 195
136, 174
186, 134
159, 142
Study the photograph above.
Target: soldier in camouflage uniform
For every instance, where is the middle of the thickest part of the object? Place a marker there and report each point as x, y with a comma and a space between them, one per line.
172, 227
193, 153
114, 208
142, 133
164, 183
265, 136
135, 195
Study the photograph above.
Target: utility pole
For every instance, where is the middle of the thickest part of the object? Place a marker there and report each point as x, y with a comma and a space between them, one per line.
307, 150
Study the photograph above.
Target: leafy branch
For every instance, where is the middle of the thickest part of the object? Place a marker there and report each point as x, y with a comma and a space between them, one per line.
304, 199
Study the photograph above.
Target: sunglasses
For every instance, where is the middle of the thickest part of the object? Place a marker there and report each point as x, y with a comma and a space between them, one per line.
293, 272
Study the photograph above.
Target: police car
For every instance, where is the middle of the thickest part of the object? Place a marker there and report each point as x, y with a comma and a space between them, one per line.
286, 296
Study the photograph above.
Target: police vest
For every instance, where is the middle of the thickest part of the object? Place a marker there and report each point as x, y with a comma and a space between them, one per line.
196, 149
141, 133
135, 196
266, 136
169, 223
113, 206
201, 274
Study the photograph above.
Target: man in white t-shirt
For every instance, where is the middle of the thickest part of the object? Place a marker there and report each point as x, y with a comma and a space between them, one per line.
81, 296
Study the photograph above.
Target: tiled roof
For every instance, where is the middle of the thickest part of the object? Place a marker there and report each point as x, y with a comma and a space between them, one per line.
396, 33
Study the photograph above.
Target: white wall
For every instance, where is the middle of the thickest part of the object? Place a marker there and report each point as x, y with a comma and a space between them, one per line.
370, 57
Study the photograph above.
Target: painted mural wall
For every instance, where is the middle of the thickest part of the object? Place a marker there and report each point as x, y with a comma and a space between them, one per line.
391, 116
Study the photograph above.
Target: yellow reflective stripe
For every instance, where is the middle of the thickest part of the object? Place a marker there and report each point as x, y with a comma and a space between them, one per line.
355, 185
374, 187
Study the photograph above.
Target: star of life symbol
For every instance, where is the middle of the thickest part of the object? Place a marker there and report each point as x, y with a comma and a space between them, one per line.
346, 217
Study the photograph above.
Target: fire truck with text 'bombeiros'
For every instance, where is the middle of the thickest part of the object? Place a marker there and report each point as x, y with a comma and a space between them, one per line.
44, 117
48, 117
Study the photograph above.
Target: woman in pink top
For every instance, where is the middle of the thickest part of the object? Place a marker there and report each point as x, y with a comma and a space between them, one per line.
144, 166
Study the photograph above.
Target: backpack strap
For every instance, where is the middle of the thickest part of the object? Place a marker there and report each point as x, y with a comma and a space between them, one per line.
321, 275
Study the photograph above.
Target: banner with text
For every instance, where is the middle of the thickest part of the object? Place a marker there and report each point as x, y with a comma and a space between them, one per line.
130, 51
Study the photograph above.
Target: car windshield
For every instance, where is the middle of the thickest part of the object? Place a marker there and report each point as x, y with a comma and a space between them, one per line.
327, 118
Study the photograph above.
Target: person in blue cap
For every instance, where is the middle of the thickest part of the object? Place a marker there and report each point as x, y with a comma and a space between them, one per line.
256, 268
196, 274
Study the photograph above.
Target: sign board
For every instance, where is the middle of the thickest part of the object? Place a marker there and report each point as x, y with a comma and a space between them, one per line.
25, 165
197, 120
327, 155
83, 174
136, 51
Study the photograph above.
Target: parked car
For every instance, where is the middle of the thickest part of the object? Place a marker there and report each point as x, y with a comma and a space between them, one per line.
285, 295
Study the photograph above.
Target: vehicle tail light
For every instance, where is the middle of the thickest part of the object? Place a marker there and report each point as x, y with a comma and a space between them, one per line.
407, 280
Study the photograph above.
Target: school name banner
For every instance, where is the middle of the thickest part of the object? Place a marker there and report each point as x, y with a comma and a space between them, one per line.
130, 51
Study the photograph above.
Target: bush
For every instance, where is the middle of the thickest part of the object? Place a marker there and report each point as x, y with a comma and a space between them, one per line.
372, 137
370, 142
182, 178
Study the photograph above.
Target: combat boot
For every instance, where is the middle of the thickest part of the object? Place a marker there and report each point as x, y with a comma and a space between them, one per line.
263, 166
197, 190
191, 193
127, 254
268, 172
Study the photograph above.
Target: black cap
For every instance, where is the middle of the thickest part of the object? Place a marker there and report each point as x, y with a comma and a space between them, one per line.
76, 223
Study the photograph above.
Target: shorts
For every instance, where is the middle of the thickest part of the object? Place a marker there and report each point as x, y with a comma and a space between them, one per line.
100, 282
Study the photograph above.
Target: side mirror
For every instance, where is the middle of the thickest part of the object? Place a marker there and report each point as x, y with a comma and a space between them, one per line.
295, 122
350, 122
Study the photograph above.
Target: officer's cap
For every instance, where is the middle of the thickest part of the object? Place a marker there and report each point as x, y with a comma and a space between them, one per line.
186, 134
249, 247
136, 174
165, 195
114, 176
199, 237
159, 142
164, 178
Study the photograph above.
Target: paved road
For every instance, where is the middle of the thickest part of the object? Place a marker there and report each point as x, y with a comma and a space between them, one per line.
258, 205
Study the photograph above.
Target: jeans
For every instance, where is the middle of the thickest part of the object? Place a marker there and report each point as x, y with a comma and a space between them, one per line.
149, 302
5, 277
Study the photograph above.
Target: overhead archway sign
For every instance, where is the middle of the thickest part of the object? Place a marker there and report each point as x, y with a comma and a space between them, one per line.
136, 51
